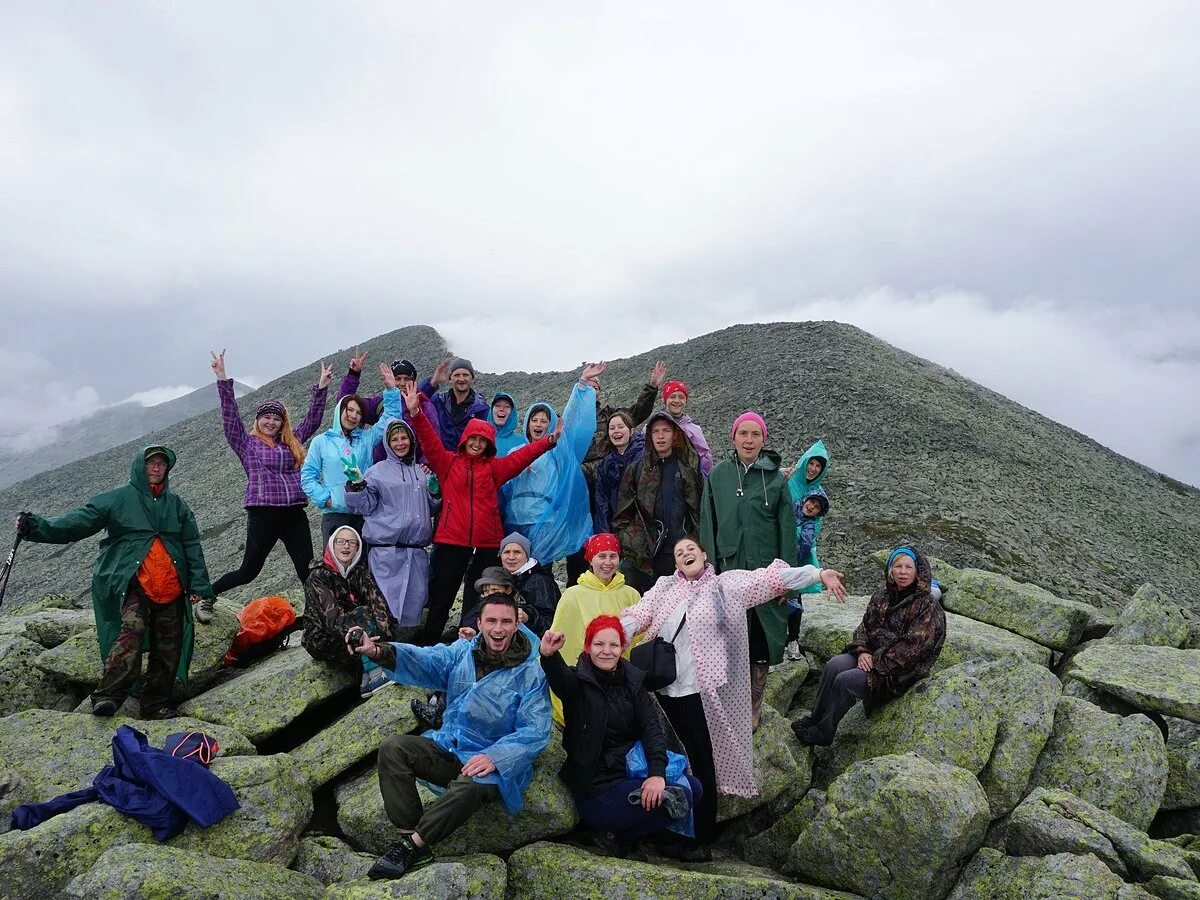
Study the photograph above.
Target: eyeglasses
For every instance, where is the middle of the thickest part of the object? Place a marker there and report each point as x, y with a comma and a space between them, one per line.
345, 542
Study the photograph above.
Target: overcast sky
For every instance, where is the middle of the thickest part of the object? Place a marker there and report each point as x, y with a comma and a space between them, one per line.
1009, 189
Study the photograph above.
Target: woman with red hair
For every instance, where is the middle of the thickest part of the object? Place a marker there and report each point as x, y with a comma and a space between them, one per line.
607, 712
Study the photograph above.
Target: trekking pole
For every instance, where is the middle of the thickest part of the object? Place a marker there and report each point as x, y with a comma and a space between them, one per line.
7, 568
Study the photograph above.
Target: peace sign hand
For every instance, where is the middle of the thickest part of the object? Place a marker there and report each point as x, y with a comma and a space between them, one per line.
357, 360
218, 364
326, 375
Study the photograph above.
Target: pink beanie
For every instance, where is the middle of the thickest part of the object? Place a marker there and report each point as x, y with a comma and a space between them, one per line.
749, 417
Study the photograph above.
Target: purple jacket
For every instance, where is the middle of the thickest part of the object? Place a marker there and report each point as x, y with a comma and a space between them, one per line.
272, 476
450, 428
374, 410
696, 436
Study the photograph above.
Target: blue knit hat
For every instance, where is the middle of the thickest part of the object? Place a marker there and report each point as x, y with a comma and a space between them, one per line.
900, 551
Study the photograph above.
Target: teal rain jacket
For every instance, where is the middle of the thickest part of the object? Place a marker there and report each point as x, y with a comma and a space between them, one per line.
799, 486
506, 715
323, 476
549, 502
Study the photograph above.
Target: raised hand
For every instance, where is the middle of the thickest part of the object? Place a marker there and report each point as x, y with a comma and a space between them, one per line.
412, 397
326, 375
466, 632
552, 642
658, 375
833, 583
592, 373
386, 376
357, 360
218, 364
440, 374
557, 433
788, 472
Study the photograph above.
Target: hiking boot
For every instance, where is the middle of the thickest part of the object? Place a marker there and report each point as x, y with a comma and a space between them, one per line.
609, 844
205, 610
793, 652
373, 682
162, 712
686, 850
402, 857
429, 714
105, 708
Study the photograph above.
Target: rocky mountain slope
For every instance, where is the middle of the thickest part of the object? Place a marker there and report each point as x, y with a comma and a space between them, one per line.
918, 453
106, 428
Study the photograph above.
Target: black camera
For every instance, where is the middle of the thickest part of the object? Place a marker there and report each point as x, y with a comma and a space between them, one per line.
354, 637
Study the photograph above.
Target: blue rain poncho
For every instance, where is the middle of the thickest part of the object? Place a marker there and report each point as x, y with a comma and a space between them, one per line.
398, 526
508, 438
506, 715
548, 502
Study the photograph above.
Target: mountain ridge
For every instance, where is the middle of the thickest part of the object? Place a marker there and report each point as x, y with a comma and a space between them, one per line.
918, 453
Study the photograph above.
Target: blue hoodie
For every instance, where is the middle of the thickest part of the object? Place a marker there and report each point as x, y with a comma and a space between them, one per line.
323, 476
507, 437
548, 502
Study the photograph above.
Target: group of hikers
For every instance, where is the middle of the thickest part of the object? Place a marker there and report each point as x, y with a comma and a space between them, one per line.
685, 573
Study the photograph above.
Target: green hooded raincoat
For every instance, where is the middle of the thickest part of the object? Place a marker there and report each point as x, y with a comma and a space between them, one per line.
133, 517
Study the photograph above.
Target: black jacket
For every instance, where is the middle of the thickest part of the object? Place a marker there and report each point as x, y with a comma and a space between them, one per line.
538, 593
602, 723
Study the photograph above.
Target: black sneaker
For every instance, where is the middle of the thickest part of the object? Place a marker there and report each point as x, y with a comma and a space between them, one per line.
404, 856
429, 714
105, 708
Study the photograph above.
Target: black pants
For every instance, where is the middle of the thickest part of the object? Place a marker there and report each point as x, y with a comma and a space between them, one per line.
612, 811
794, 618
265, 525
687, 718
448, 565
843, 684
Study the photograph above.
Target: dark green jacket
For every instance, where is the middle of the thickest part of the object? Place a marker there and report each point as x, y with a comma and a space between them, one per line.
132, 518
746, 522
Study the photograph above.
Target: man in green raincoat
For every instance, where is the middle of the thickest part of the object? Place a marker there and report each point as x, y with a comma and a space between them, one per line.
150, 562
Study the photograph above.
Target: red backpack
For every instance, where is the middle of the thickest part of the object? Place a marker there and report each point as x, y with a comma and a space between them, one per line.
264, 626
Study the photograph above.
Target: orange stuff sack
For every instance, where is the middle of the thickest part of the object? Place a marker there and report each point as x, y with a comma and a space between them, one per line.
264, 625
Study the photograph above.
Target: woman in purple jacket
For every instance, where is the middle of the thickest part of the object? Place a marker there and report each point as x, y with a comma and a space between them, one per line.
271, 453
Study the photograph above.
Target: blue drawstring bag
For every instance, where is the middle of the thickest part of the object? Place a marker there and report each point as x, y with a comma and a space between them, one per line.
637, 767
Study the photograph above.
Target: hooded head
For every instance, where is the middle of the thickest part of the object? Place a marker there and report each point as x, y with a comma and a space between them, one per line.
137, 470
390, 429
509, 425
818, 496
816, 452
910, 558
343, 550
547, 412
477, 428
677, 435
337, 425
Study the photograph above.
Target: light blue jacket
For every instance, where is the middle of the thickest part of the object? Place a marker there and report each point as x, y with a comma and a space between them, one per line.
323, 476
548, 502
506, 715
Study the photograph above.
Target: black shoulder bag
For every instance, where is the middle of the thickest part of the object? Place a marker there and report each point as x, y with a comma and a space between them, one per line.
657, 659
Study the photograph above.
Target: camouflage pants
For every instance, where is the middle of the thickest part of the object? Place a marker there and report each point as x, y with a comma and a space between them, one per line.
164, 623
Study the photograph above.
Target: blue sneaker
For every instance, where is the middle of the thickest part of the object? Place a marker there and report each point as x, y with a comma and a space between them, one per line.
373, 682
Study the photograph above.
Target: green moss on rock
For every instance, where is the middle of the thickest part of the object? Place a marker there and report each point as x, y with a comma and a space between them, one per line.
47, 753
21, 685
1114, 762
1154, 679
1150, 619
1024, 609
894, 827
146, 870
476, 877
50, 627
330, 860
783, 683
1063, 876
780, 764
1183, 765
271, 694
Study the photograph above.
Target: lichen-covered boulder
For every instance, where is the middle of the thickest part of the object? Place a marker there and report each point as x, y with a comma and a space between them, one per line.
47, 753
549, 811
946, 718
330, 860
146, 870
1064, 876
479, 876
770, 848
77, 659
270, 694
21, 685
1150, 619
1166, 888
49, 627
545, 871
275, 808
1118, 763
1154, 679
783, 683
780, 764
826, 629
1024, 609
1183, 765
49, 601
894, 827
1025, 696
357, 735
1050, 821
